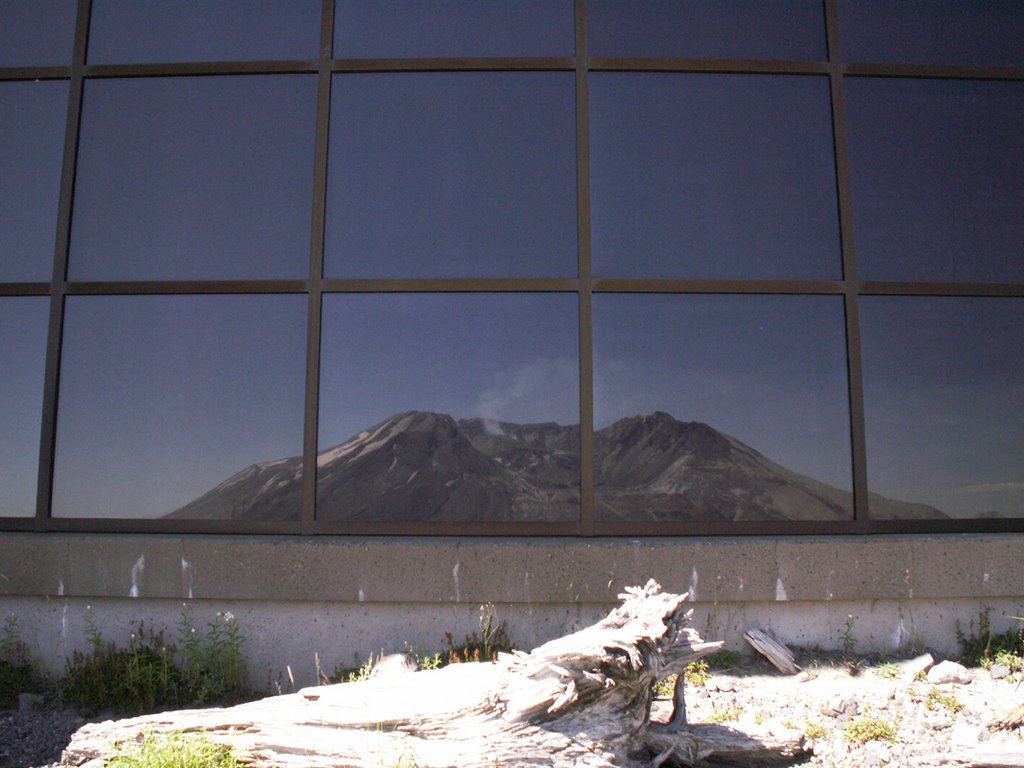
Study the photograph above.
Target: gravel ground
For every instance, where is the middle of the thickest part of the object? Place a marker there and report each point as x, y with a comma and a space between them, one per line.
821, 701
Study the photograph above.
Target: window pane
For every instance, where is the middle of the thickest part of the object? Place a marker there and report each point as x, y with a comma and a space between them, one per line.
37, 33
194, 178
720, 408
171, 405
712, 176
31, 148
738, 29
937, 174
155, 31
22, 362
411, 28
463, 174
944, 405
454, 407
953, 32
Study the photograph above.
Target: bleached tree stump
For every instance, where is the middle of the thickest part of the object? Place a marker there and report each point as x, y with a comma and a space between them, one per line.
580, 700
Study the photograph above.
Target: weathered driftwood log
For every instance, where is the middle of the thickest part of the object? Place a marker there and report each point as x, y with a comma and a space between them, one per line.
580, 700
777, 653
1014, 718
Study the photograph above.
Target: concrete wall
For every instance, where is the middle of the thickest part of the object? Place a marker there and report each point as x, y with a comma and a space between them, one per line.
340, 599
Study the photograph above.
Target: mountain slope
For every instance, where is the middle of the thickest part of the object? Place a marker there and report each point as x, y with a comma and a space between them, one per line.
428, 467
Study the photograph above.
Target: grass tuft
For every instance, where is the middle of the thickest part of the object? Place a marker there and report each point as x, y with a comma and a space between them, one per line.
173, 750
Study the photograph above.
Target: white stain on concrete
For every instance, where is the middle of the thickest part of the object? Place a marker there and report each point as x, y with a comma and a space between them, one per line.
906, 580
984, 579
899, 635
186, 576
63, 612
137, 570
455, 578
780, 590
694, 580
526, 592
362, 595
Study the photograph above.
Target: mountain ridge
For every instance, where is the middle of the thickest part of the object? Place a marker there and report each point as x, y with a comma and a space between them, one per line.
425, 466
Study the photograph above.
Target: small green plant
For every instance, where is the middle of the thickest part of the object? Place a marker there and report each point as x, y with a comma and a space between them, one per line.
937, 698
867, 729
213, 668
492, 640
815, 730
726, 714
849, 641
696, 673
17, 672
724, 660
173, 750
888, 669
145, 677
664, 688
139, 678
356, 674
980, 647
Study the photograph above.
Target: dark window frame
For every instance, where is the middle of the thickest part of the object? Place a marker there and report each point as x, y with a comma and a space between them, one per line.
583, 285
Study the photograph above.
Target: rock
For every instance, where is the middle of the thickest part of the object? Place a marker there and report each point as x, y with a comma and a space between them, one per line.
948, 672
998, 671
392, 665
911, 669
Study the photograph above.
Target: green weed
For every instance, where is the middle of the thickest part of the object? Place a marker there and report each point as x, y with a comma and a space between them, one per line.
980, 647
815, 730
726, 714
492, 640
867, 729
174, 750
17, 672
937, 698
146, 675
696, 673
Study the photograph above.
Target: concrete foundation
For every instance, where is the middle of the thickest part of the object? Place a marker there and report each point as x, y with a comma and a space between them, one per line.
337, 600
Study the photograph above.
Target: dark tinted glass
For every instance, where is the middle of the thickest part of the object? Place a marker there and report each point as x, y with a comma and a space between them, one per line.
455, 407
462, 174
944, 405
153, 31
738, 29
412, 28
194, 177
953, 32
31, 148
22, 361
170, 406
37, 33
937, 171
720, 408
712, 176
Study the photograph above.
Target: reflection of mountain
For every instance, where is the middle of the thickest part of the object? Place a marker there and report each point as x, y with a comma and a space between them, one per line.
656, 468
427, 466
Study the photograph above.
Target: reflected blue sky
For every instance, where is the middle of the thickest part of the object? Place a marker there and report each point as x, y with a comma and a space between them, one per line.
194, 177
36, 33
460, 174
937, 175
767, 370
693, 29
953, 32
944, 401
509, 357
31, 149
22, 361
164, 397
712, 176
154, 31
407, 28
